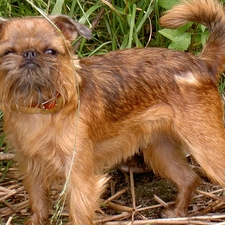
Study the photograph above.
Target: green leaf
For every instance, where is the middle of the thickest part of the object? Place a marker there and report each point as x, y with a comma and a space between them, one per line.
181, 42
168, 33
184, 28
204, 37
168, 4
202, 27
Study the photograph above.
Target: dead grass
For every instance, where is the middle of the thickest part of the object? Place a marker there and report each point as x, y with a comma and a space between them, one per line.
129, 199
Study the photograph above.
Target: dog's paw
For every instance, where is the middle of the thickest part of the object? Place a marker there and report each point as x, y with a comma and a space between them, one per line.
170, 213
30, 222
33, 220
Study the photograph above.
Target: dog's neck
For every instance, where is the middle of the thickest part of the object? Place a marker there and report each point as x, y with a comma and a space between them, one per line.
50, 106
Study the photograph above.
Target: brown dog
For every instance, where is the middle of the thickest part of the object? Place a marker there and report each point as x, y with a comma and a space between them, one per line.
68, 118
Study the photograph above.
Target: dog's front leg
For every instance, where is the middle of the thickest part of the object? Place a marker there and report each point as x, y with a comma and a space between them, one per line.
84, 186
38, 192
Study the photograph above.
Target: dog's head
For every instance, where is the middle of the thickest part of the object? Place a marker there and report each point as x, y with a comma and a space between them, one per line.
36, 60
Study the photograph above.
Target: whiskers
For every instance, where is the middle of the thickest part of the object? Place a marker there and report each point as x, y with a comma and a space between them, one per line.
30, 88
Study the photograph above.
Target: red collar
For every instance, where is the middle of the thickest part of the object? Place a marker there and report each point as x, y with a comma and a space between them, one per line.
49, 104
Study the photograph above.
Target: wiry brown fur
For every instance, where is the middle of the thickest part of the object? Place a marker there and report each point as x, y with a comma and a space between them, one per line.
157, 100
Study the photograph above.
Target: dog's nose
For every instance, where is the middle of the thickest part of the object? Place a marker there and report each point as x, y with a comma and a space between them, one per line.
30, 54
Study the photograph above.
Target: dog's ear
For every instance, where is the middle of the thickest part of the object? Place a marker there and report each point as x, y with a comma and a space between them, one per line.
2, 21
69, 28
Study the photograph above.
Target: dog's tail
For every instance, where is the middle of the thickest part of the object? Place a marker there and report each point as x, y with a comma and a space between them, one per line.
209, 13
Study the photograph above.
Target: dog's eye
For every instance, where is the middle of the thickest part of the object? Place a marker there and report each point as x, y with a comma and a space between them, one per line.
8, 52
51, 52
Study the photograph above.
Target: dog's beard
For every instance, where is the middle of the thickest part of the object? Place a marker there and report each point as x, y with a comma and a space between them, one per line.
30, 83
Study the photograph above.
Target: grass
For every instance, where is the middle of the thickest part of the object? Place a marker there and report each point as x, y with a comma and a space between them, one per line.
123, 24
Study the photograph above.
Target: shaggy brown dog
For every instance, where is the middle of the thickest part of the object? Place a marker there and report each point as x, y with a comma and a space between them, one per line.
68, 118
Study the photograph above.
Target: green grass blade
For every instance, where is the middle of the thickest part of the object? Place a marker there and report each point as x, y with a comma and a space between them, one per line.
131, 21
57, 7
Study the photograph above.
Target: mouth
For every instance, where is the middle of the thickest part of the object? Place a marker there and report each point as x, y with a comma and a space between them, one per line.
30, 64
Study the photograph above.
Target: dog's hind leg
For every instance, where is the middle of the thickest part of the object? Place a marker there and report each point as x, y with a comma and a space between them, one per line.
202, 128
168, 160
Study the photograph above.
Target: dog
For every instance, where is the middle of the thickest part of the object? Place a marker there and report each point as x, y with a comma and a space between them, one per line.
67, 118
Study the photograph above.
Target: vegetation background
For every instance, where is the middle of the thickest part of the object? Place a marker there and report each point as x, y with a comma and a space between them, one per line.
120, 23
116, 24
